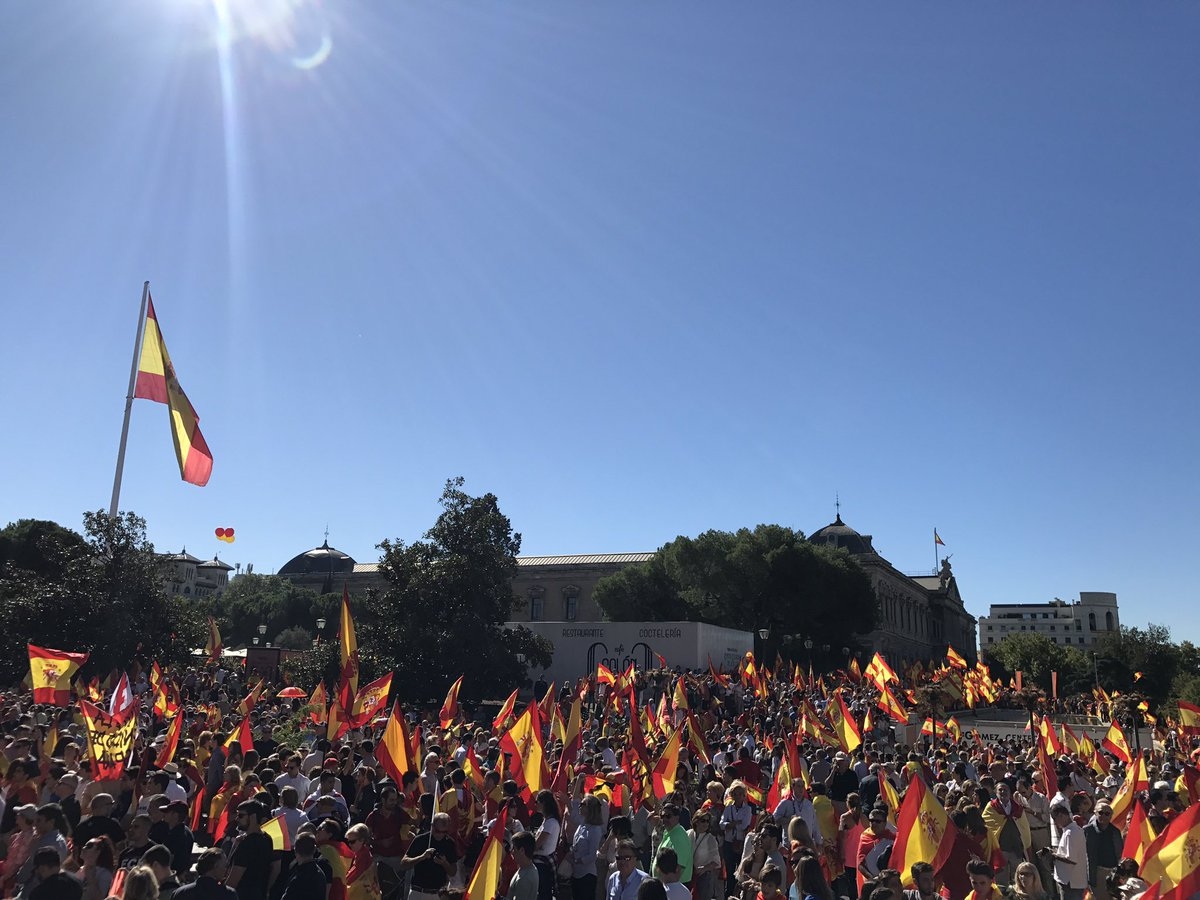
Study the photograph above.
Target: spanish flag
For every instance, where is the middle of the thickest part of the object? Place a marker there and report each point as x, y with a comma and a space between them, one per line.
370, 701
953, 659
889, 704
1140, 836
937, 539
666, 767
281, 839
156, 381
1189, 717
924, 832
1174, 860
505, 712
213, 647
393, 750
167, 753
844, 723
348, 682
51, 672
449, 710
485, 880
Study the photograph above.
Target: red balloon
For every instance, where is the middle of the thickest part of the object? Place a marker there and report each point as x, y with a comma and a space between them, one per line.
220, 532
228, 532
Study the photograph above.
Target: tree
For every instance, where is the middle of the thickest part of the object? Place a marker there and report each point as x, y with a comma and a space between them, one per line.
99, 592
768, 577
446, 599
253, 600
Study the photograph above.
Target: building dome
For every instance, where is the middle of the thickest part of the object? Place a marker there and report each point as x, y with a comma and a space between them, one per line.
839, 534
323, 560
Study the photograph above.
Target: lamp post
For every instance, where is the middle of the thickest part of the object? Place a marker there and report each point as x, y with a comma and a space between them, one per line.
808, 645
320, 628
764, 635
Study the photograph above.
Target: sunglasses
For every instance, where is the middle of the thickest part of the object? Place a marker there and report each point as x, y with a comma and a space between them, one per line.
626, 858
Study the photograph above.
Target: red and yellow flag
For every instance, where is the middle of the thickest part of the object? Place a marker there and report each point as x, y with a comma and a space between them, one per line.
524, 742
242, 735
393, 750
277, 829
213, 647
1114, 742
1140, 836
666, 767
485, 879
110, 739
1136, 779
370, 701
51, 672
845, 726
449, 711
954, 659
318, 702
924, 832
889, 704
348, 682
167, 752
505, 711
1189, 717
156, 381
1174, 861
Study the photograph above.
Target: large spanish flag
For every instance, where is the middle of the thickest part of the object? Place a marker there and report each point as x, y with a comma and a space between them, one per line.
924, 832
277, 829
1114, 742
954, 659
156, 381
844, 724
348, 681
1175, 858
51, 672
370, 702
484, 883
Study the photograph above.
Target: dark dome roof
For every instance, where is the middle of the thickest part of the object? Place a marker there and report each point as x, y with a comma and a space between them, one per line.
319, 561
839, 534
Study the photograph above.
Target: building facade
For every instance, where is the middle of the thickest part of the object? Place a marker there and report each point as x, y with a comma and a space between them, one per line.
919, 614
190, 576
1079, 624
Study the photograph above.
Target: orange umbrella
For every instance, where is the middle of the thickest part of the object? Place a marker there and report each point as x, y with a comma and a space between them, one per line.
292, 693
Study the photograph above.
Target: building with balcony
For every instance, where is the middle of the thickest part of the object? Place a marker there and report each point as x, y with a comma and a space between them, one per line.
1078, 624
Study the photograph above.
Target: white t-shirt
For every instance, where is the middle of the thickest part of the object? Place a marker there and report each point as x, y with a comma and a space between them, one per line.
547, 838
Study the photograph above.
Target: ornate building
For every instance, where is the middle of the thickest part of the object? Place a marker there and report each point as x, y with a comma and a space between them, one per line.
919, 615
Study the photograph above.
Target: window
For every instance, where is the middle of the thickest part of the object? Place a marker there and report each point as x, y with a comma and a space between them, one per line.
1054, 639
1079, 626
1022, 627
989, 628
991, 640
570, 596
537, 604
1108, 621
1091, 621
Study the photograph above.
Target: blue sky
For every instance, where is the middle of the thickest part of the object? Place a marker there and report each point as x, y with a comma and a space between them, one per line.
639, 269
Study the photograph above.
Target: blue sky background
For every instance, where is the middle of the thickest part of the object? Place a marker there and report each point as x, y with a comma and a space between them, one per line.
639, 269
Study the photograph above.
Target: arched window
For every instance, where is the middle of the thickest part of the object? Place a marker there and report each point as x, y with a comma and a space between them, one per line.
1108, 621
1091, 621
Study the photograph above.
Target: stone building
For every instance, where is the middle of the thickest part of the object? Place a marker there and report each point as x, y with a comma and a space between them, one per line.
919, 614
193, 577
1081, 623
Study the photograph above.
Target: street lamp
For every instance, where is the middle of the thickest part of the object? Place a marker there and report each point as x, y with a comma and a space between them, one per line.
764, 633
808, 645
521, 658
262, 629
321, 624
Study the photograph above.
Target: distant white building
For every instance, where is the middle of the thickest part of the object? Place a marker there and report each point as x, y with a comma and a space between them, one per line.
193, 577
1079, 624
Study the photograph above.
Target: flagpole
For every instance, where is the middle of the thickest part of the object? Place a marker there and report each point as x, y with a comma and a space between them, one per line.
936, 561
137, 346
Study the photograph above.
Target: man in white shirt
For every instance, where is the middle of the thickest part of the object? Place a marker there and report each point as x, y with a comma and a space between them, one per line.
293, 777
797, 804
1070, 856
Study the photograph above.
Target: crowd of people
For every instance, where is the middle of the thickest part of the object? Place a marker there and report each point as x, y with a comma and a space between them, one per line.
305, 814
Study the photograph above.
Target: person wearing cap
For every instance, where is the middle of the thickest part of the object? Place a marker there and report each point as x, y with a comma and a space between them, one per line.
1104, 848
173, 789
20, 845
841, 782
253, 867
179, 839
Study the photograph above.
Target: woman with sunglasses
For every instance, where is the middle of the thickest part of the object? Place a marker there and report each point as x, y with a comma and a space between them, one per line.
706, 857
99, 865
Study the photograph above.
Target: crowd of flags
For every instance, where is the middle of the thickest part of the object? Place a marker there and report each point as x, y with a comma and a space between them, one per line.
654, 735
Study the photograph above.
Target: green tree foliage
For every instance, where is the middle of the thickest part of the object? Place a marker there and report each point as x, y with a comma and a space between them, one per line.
1169, 671
98, 592
253, 600
447, 596
770, 576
